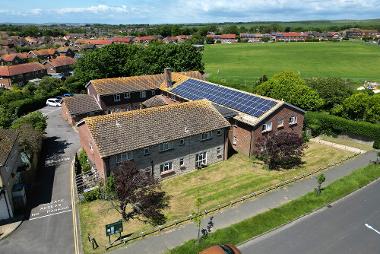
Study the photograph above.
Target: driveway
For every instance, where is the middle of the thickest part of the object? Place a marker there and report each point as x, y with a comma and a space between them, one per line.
340, 229
48, 227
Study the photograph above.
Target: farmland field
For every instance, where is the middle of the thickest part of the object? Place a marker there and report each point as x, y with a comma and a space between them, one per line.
243, 63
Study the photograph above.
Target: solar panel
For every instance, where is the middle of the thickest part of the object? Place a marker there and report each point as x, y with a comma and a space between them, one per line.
250, 104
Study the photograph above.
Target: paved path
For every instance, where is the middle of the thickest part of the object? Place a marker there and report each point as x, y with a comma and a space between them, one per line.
339, 229
338, 146
49, 226
167, 240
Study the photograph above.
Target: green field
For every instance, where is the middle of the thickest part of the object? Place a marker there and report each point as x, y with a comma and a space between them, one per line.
243, 63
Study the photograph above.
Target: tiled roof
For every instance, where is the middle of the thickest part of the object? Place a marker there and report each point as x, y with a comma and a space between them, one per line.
127, 131
62, 61
11, 57
228, 36
135, 83
63, 49
44, 52
158, 100
7, 140
81, 104
8, 71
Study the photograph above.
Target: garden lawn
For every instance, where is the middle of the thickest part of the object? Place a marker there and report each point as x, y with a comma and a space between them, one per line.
240, 65
216, 184
347, 142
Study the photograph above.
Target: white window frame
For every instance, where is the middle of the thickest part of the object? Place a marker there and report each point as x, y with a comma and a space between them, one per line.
280, 123
153, 92
166, 146
234, 140
218, 151
121, 157
267, 127
206, 135
201, 159
146, 151
292, 120
116, 97
127, 95
219, 132
182, 162
182, 142
166, 167
143, 94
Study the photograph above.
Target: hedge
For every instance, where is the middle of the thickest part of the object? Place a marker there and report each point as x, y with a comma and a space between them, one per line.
320, 123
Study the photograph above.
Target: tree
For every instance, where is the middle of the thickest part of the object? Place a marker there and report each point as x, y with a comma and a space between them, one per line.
290, 87
281, 150
35, 119
332, 90
320, 180
197, 216
138, 195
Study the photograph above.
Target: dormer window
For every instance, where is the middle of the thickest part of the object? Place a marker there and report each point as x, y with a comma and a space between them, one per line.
142, 94
267, 127
206, 135
292, 120
127, 95
153, 92
116, 97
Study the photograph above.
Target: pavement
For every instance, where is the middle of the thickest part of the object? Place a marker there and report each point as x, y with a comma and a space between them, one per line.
340, 229
338, 146
48, 226
167, 240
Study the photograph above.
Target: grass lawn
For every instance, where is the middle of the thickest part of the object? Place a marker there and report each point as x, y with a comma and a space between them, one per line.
347, 142
241, 64
284, 214
216, 184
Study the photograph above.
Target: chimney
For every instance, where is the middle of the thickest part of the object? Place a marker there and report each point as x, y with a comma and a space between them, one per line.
168, 77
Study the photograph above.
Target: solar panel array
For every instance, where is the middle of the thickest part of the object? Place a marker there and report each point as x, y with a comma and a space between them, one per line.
250, 104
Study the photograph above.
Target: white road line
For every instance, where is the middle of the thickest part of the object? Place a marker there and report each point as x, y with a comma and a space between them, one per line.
50, 215
371, 228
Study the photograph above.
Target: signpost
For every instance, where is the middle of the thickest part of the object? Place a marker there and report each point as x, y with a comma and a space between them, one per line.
114, 228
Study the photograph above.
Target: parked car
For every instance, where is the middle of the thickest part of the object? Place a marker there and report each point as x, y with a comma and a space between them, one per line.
221, 249
60, 98
53, 102
68, 95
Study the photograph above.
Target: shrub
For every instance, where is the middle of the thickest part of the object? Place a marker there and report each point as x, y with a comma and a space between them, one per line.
92, 195
83, 161
323, 123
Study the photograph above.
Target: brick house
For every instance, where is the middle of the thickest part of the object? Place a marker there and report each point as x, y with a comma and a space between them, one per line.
15, 58
65, 51
22, 73
162, 141
78, 107
9, 163
60, 64
43, 54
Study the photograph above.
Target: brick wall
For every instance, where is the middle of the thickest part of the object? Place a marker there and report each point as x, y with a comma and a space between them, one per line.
66, 115
240, 137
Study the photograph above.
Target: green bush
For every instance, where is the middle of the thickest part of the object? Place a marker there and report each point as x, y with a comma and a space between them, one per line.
92, 195
323, 123
83, 161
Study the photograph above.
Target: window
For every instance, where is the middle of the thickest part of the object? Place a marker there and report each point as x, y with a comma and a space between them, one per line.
267, 127
166, 146
234, 141
219, 132
206, 135
116, 97
146, 151
91, 148
201, 159
218, 150
280, 123
293, 120
142, 94
181, 141
181, 162
121, 157
166, 167
153, 92
127, 95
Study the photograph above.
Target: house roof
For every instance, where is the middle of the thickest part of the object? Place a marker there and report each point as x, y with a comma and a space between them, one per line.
228, 36
8, 57
5, 82
225, 112
127, 131
109, 86
158, 100
61, 61
63, 49
7, 140
8, 71
44, 52
81, 104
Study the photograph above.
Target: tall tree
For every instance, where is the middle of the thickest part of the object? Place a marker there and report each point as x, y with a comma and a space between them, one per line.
139, 195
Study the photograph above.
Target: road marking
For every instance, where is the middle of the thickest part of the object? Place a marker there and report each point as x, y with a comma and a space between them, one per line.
73, 205
371, 228
48, 215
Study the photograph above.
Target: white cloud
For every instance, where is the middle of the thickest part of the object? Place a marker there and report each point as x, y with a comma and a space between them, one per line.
97, 9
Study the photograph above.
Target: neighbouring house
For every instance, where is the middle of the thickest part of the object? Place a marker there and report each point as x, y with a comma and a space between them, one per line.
223, 38
251, 37
255, 116
22, 73
66, 51
147, 39
291, 36
43, 54
157, 101
162, 141
60, 64
12, 193
5, 83
15, 58
78, 107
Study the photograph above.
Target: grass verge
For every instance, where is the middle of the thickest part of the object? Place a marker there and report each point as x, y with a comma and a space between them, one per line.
284, 214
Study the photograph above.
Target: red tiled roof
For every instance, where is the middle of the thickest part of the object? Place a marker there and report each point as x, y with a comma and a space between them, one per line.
121, 39
44, 52
94, 42
8, 71
8, 57
293, 34
146, 38
62, 61
228, 36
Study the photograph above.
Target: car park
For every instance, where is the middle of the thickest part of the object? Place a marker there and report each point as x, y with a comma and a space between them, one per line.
53, 102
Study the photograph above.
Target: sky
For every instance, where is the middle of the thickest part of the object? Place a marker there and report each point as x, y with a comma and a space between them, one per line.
182, 11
